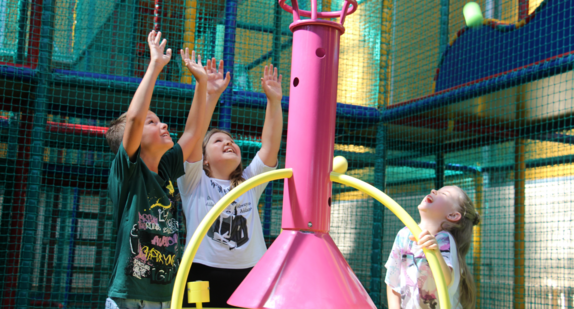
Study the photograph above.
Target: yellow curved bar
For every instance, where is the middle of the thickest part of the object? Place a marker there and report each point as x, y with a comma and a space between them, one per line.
207, 222
431, 255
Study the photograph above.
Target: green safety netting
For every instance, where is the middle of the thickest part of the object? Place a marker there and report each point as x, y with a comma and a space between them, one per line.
426, 102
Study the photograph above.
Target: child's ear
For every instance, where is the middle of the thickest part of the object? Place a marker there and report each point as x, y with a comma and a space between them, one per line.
454, 216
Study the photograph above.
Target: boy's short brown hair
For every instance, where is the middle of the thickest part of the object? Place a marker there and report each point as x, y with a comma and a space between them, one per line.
115, 134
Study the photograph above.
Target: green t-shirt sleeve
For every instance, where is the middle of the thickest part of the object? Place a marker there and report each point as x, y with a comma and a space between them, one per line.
122, 171
122, 167
171, 164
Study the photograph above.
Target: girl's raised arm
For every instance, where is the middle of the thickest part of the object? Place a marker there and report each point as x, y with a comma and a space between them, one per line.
216, 84
273, 126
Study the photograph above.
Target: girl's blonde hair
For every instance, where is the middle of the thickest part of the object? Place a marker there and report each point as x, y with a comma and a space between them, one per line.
236, 176
461, 231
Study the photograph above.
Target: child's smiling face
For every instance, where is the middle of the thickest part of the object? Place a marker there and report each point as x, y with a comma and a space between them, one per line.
155, 136
442, 204
222, 149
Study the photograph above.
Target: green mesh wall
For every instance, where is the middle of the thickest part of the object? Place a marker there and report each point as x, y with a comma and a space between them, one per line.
69, 67
509, 147
72, 66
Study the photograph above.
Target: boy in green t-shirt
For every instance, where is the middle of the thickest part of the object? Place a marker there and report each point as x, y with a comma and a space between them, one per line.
140, 185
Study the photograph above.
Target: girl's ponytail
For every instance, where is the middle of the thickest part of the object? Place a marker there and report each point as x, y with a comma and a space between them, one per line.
462, 234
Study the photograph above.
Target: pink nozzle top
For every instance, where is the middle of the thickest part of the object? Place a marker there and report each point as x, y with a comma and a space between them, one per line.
314, 14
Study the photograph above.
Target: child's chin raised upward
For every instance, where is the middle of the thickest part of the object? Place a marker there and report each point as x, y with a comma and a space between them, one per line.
230, 156
424, 206
158, 145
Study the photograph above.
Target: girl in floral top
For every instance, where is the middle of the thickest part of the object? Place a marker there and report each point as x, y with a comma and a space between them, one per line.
447, 218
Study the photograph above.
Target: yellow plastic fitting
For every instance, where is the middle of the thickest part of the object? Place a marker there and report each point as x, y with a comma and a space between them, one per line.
198, 293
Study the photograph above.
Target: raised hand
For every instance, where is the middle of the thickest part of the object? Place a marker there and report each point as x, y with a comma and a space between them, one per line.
157, 49
216, 84
271, 84
195, 67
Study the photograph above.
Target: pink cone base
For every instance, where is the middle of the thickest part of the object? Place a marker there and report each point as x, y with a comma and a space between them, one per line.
309, 268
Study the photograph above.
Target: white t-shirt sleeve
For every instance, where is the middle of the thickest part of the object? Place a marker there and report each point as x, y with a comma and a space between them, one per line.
192, 178
448, 250
444, 246
255, 168
393, 264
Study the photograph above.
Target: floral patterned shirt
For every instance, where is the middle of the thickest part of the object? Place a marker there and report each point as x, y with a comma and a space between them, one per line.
409, 274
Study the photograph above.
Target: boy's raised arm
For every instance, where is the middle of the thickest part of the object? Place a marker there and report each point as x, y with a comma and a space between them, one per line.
216, 84
192, 133
273, 126
139, 105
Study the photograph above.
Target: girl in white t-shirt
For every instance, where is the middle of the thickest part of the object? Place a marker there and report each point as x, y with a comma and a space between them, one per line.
234, 243
447, 219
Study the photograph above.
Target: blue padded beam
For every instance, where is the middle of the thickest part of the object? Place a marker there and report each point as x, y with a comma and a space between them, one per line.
347, 111
486, 51
511, 79
23, 73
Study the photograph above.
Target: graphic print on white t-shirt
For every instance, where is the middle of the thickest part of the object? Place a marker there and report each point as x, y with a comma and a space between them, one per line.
230, 229
235, 239
209, 202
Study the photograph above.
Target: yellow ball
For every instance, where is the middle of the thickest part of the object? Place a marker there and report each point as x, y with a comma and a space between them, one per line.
340, 165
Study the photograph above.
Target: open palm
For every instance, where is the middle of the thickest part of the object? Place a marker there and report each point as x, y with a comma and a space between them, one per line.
216, 84
271, 83
156, 49
195, 67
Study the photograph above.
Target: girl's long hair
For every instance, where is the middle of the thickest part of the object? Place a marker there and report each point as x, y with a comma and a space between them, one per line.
461, 231
236, 176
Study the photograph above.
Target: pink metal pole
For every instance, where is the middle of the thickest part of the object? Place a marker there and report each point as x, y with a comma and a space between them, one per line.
311, 127
295, 11
313, 9
304, 268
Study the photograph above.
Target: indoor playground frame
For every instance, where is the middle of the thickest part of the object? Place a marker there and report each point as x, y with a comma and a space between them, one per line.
33, 72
